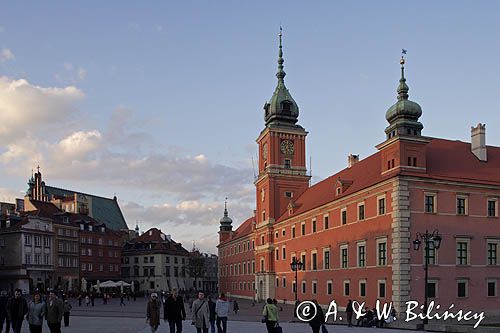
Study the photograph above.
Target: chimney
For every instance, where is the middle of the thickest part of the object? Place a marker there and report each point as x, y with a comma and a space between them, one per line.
352, 159
478, 141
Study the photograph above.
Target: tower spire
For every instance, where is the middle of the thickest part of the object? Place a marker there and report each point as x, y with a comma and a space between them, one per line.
225, 208
281, 73
403, 87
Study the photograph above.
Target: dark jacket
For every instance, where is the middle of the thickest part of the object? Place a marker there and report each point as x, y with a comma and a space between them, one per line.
319, 318
153, 312
54, 311
211, 307
17, 308
3, 306
173, 309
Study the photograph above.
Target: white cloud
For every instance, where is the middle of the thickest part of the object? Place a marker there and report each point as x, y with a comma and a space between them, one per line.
6, 55
81, 73
78, 145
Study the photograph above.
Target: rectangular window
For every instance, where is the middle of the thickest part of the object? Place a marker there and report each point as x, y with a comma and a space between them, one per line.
326, 259
325, 222
462, 289
329, 288
381, 289
492, 288
314, 287
314, 259
461, 206
347, 287
304, 262
381, 206
361, 212
294, 287
313, 225
362, 289
303, 287
361, 255
382, 254
288, 164
492, 253
284, 282
303, 229
462, 253
344, 216
38, 241
431, 254
492, 208
283, 253
277, 254
343, 256
293, 232
429, 203
277, 282
288, 194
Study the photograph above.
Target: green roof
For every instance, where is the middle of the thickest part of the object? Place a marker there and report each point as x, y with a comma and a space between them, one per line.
104, 210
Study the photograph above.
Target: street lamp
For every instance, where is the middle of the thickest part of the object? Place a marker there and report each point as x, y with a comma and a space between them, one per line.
296, 266
428, 238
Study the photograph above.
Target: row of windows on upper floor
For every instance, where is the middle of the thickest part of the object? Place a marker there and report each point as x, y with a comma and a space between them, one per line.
100, 253
100, 241
430, 206
88, 267
151, 259
461, 204
47, 241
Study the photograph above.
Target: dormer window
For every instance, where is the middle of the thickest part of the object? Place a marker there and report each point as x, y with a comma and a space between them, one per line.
65, 219
286, 107
82, 227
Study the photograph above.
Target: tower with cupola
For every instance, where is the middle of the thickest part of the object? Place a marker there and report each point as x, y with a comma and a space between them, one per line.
282, 173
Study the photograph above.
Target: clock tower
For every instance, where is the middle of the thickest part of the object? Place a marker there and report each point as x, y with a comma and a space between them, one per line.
282, 174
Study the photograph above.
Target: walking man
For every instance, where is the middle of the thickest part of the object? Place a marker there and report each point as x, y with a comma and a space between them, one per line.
222, 310
54, 313
174, 312
201, 314
122, 299
67, 309
17, 308
349, 311
3, 311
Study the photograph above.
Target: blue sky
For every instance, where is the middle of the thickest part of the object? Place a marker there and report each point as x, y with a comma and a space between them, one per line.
161, 102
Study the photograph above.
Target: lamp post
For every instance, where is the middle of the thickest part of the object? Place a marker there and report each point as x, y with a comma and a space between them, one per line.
296, 265
428, 238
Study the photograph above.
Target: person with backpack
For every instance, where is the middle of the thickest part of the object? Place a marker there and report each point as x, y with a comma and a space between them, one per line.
270, 316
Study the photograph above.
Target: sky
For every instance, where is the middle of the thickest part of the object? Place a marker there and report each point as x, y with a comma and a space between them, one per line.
160, 102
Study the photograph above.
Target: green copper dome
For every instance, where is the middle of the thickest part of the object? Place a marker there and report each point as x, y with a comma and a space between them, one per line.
282, 110
404, 114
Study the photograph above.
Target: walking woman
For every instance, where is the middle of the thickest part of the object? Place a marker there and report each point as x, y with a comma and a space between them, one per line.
36, 312
318, 320
153, 312
270, 313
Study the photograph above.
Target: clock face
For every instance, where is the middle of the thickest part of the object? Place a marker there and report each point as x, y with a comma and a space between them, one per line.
287, 147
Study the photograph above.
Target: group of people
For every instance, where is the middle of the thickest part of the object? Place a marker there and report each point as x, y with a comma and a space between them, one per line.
206, 314
369, 317
14, 310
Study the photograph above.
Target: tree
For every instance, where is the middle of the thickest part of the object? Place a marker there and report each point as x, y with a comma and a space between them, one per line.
196, 267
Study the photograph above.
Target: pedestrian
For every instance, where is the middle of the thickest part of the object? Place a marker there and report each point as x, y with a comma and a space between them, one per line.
318, 320
122, 299
36, 312
87, 300
66, 312
135, 297
349, 311
3, 311
174, 312
236, 308
79, 299
17, 308
54, 313
92, 299
200, 314
211, 308
270, 316
153, 313
222, 310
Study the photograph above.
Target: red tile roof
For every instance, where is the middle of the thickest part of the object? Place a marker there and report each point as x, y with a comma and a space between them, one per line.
44, 209
244, 229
